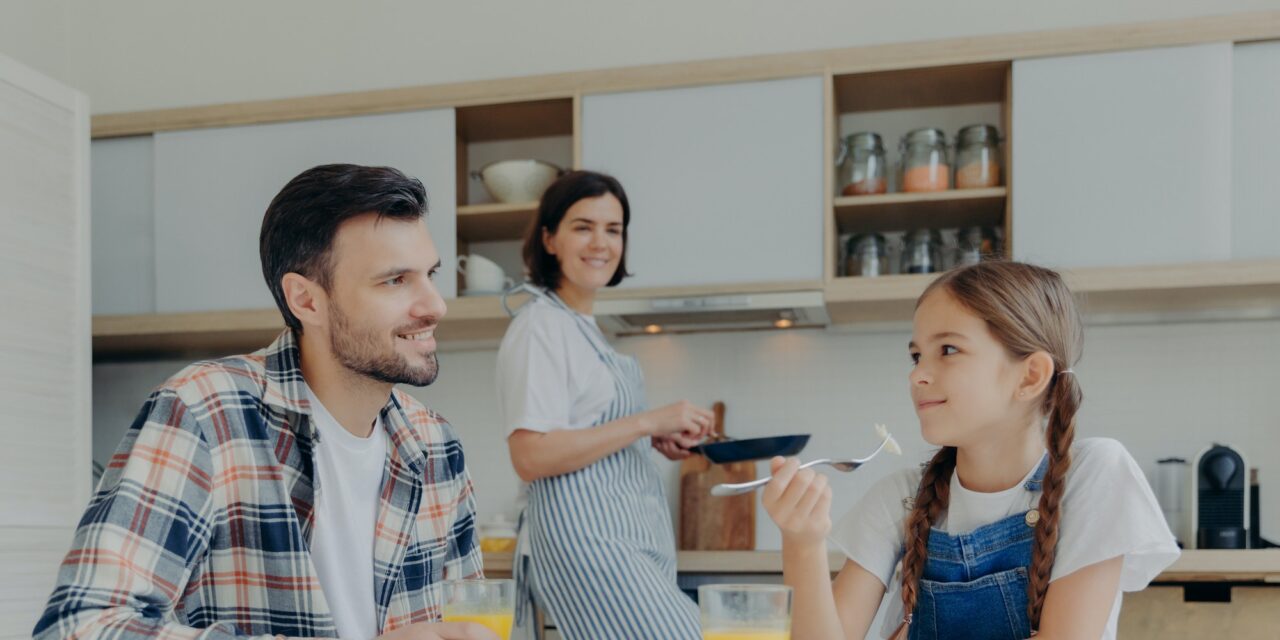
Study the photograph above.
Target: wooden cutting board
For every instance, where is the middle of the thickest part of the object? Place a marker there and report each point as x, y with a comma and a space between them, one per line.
708, 523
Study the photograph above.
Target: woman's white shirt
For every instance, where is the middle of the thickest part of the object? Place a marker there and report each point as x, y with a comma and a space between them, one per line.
550, 375
1108, 510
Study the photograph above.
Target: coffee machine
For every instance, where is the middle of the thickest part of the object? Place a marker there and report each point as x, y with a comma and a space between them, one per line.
1219, 499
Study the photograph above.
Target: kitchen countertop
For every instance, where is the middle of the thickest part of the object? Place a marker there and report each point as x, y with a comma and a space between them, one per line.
1201, 565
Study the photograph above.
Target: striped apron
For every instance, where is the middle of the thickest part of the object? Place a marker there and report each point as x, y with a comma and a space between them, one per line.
602, 552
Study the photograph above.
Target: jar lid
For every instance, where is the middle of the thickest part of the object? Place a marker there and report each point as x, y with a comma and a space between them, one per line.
860, 240
918, 235
978, 133
864, 140
927, 135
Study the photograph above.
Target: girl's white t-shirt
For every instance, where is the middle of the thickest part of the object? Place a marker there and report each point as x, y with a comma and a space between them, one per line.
1108, 510
550, 375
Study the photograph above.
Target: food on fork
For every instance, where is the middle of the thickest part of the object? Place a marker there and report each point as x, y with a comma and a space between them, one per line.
891, 446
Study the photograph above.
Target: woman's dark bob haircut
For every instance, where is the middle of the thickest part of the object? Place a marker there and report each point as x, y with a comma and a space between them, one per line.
567, 190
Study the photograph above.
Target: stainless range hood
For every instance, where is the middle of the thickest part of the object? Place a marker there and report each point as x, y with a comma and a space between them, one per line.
718, 312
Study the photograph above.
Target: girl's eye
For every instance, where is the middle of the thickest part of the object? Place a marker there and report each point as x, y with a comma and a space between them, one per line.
915, 358
949, 350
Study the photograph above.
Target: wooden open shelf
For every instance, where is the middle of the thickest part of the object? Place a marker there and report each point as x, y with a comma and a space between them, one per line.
506, 121
920, 88
516, 120
906, 211
489, 222
1236, 288
478, 321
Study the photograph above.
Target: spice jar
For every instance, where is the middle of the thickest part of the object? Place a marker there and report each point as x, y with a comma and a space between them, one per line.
860, 166
866, 255
925, 162
922, 252
977, 157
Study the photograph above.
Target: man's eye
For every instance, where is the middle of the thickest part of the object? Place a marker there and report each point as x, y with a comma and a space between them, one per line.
949, 350
394, 281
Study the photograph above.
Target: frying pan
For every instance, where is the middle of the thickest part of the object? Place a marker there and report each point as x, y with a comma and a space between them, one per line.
727, 451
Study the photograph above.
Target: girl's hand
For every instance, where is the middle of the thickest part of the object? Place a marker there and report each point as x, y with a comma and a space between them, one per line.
799, 502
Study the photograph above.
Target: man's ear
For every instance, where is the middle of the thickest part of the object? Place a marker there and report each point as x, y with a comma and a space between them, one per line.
307, 300
1037, 373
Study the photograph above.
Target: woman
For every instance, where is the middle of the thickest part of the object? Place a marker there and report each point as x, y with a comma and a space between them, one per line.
596, 548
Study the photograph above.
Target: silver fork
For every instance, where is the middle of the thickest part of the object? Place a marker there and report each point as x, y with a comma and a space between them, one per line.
722, 490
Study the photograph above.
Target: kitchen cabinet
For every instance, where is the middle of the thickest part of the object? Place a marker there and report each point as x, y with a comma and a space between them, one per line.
45, 356
213, 185
1123, 159
725, 181
123, 212
1126, 142
1255, 151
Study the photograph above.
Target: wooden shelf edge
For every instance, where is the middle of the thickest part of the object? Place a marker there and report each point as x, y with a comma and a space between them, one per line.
1190, 287
950, 195
495, 221
471, 322
490, 208
480, 321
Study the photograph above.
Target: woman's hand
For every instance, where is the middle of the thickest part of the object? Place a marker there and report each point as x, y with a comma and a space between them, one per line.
683, 422
799, 502
668, 447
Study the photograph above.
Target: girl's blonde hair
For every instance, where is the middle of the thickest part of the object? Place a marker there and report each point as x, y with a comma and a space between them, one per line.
1028, 309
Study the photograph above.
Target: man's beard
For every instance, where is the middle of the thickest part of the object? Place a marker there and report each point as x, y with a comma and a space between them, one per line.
362, 353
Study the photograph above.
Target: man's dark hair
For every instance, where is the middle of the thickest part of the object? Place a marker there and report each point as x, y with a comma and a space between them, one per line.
302, 220
543, 267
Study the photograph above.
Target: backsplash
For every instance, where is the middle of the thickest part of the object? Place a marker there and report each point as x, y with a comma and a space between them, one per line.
1161, 389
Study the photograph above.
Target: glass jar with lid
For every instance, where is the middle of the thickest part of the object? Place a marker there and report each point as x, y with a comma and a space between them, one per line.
926, 163
860, 165
922, 252
866, 255
975, 244
978, 157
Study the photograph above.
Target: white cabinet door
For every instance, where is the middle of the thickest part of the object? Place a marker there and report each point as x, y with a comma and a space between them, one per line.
45, 354
725, 181
213, 185
1255, 166
1123, 158
124, 267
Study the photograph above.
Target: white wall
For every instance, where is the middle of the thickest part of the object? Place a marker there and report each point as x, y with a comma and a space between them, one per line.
144, 54
1163, 390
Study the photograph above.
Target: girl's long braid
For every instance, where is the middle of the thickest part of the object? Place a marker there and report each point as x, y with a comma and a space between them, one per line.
1065, 397
931, 500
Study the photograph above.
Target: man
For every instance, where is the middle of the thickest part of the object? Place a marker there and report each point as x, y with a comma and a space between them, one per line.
293, 491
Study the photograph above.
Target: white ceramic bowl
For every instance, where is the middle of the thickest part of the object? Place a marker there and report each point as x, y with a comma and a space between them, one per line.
514, 181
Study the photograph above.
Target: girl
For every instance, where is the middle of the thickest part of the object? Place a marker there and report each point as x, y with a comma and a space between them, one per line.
1013, 528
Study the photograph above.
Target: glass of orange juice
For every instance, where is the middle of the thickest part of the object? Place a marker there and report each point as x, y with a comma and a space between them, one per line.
745, 611
491, 603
